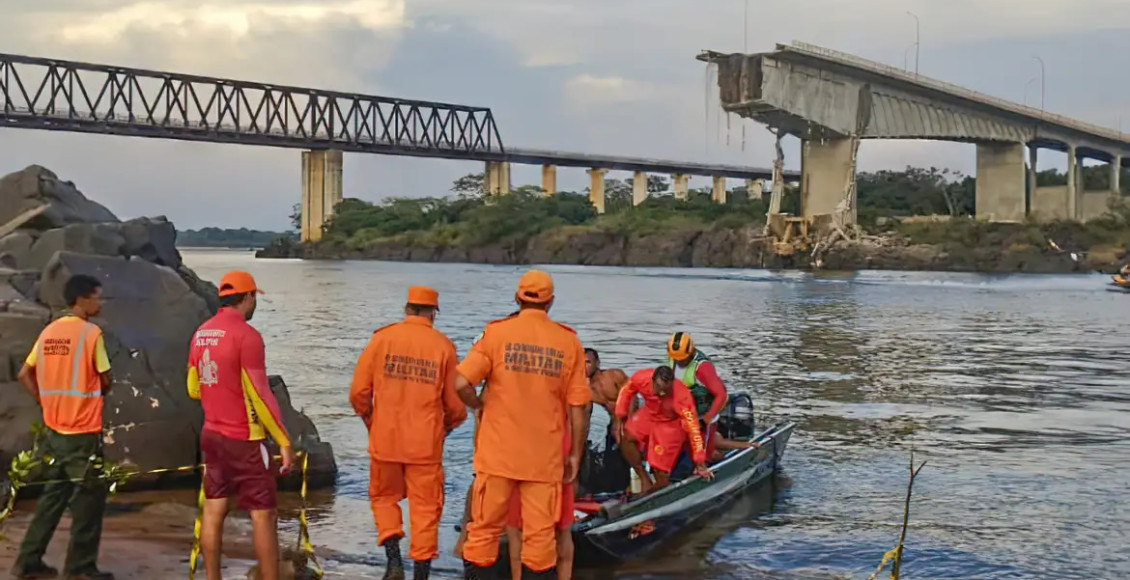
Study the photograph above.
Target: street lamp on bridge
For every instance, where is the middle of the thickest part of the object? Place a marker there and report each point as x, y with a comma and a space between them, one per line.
917, 39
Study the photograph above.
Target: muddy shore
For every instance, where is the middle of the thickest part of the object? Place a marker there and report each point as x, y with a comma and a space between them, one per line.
148, 536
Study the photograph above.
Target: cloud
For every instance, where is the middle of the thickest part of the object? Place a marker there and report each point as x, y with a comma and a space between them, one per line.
233, 18
581, 75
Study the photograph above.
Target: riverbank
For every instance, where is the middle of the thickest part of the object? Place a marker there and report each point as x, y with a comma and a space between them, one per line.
953, 246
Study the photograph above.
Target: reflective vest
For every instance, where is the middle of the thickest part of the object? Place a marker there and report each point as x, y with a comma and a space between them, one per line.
69, 384
703, 398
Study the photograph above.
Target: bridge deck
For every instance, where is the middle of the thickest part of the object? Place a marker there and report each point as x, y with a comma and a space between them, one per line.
58, 95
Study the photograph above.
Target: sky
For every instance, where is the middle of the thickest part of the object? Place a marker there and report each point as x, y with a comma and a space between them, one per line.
590, 76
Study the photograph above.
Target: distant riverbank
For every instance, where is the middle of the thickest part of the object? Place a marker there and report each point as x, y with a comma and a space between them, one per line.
961, 246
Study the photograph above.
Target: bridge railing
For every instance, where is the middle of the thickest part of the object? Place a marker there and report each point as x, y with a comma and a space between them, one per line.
892, 71
74, 96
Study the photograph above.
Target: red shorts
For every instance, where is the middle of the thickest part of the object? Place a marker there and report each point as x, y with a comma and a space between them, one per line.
663, 440
564, 522
244, 469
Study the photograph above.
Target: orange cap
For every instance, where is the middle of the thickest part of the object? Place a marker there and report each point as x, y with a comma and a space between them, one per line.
423, 296
238, 282
535, 287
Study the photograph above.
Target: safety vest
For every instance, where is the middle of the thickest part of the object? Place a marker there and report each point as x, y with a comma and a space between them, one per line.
702, 396
69, 386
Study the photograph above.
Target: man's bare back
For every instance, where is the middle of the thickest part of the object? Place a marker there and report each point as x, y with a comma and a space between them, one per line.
606, 385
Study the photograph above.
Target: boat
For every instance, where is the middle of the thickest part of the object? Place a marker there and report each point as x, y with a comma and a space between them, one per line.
1120, 283
623, 528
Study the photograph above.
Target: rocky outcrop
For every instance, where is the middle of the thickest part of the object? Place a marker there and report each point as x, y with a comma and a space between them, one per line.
152, 305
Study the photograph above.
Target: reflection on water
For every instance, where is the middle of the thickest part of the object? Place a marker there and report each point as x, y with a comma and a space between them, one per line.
1014, 388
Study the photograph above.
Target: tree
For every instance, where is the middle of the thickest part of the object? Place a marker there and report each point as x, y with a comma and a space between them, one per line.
470, 185
296, 217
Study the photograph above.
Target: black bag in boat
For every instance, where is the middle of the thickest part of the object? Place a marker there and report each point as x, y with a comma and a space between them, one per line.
603, 470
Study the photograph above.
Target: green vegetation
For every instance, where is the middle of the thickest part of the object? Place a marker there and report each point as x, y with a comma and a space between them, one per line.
227, 238
468, 218
471, 218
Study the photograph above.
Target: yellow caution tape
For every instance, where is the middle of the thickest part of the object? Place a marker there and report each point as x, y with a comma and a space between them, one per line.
26, 462
887, 559
196, 527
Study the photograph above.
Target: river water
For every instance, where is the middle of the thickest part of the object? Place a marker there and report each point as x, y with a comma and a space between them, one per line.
1015, 389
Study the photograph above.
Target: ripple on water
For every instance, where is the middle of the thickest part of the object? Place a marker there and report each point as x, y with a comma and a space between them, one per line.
1012, 387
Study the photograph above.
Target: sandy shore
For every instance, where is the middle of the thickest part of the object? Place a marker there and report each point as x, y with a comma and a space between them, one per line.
145, 537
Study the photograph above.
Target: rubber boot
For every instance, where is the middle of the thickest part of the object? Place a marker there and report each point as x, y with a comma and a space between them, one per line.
475, 572
550, 574
395, 569
421, 569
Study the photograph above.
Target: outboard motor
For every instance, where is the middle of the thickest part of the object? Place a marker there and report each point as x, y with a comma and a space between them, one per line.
736, 421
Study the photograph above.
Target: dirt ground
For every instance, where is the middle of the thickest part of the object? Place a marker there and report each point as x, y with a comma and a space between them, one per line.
141, 540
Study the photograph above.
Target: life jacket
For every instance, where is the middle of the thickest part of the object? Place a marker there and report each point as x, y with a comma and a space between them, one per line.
703, 398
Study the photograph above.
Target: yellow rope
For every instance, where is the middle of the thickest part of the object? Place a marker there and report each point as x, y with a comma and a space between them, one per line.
25, 462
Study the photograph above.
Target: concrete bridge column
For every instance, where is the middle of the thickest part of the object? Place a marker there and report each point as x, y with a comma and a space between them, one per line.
1116, 176
321, 191
639, 188
718, 194
1072, 183
596, 188
826, 170
1000, 182
549, 179
496, 178
681, 183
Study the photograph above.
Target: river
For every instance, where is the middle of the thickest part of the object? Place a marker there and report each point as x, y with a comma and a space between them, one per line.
1015, 389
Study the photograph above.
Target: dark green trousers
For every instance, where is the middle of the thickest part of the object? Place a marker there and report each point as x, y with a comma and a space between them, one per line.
75, 485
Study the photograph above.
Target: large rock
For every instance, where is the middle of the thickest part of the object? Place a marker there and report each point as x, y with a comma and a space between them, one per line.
17, 247
35, 186
152, 304
96, 239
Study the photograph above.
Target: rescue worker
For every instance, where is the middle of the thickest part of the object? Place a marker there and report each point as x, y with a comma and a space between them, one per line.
227, 373
564, 530
693, 368
535, 379
404, 390
662, 426
68, 374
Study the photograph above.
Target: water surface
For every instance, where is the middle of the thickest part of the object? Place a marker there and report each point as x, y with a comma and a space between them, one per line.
1014, 388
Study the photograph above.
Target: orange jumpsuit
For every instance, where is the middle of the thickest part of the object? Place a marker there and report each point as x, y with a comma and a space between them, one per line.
535, 370
664, 424
404, 386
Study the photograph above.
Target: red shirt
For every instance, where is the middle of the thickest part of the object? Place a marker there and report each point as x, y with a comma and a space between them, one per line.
227, 372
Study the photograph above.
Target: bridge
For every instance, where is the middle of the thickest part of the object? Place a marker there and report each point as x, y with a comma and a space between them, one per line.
831, 100
58, 95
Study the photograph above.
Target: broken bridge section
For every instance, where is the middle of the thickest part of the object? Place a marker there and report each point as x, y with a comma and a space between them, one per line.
831, 100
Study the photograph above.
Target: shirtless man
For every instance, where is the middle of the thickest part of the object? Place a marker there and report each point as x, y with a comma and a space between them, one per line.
605, 385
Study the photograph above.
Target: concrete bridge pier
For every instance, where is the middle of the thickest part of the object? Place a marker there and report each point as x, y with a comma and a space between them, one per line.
1072, 183
549, 179
496, 178
596, 188
1093, 204
826, 170
321, 191
1001, 177
718, 193
681, 184
639, 188
1045, 202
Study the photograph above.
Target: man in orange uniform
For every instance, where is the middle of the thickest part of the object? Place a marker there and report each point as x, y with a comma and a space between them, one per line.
68, 374
535, 374
227, 372
404, 390
662, 426
564, 527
